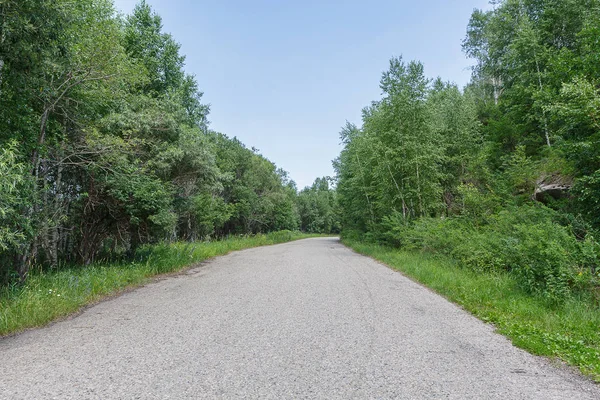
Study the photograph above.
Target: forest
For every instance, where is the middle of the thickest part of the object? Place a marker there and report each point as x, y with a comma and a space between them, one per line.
501, 177
110, 173
105, 145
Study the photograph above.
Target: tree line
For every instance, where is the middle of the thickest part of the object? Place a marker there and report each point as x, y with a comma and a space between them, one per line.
503, 175
106, 146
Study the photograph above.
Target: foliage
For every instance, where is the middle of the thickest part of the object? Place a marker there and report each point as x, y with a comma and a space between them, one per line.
317, 206
14, 188
114, 146
502, 176
525, 241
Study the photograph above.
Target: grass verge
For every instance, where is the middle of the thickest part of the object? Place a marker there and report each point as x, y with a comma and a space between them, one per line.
569, 331
48, 296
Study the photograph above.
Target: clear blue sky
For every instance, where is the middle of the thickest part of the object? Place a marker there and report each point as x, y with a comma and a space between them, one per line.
284, 76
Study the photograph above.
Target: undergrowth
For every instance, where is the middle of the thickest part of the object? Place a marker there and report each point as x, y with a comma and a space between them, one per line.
49, 295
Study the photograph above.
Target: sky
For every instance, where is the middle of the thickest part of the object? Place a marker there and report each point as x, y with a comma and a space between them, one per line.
285, 76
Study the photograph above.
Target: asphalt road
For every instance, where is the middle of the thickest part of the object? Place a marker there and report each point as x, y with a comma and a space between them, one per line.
304, 320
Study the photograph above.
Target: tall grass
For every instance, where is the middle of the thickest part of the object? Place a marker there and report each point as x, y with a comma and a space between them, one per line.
569, 331
47, 296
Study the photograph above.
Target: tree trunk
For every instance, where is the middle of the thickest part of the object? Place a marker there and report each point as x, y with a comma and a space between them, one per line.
419, 191
539, 74
399, 192
1, 67
365, 190
496, 91
57, 213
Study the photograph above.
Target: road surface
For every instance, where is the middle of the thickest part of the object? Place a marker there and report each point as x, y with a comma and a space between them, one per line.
303, 320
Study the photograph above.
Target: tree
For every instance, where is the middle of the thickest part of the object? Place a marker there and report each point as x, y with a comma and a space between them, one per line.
317, 205
114, 149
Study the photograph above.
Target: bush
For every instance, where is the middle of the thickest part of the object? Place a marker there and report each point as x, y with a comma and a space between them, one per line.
526, 241
481, 251
281, 236
352, 234
544, 257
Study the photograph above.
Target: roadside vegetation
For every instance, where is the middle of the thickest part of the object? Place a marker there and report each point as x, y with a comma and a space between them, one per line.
568, 331
490, 194
109, 171
105, 145
56, 293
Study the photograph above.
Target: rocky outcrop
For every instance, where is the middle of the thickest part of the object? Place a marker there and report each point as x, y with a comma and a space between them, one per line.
552, 187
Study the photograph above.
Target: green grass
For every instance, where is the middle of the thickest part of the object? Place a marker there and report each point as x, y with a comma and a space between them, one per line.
569, 331
48, 296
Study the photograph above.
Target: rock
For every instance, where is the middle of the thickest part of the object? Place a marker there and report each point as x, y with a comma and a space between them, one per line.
553, 186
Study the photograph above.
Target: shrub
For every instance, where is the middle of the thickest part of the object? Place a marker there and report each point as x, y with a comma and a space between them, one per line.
352, 234
281, 236
544, 257
525, 241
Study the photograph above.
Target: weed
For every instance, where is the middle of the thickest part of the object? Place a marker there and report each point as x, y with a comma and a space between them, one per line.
50, 295
569, 331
